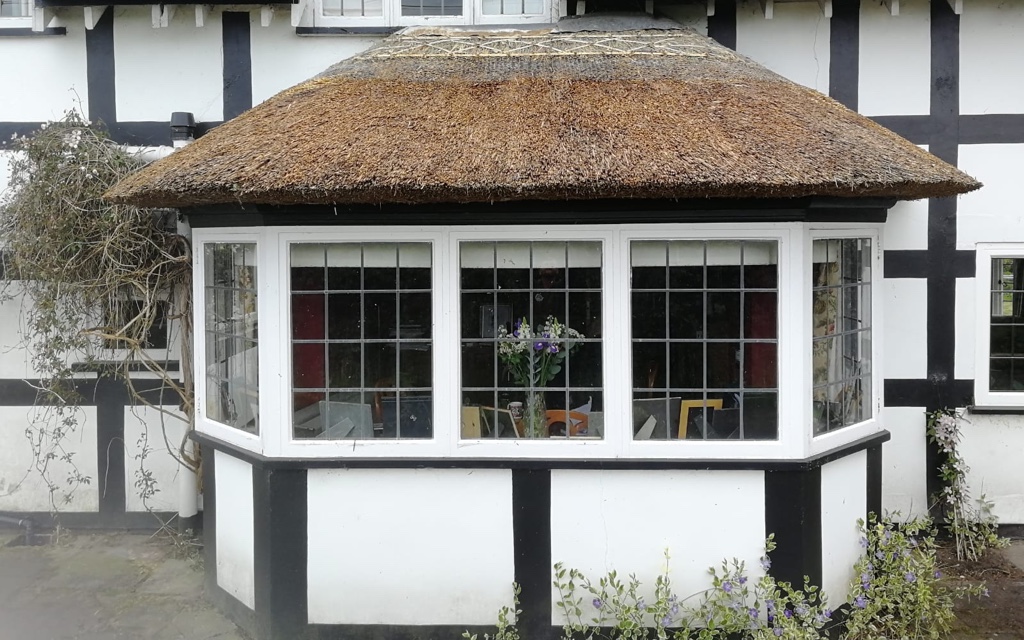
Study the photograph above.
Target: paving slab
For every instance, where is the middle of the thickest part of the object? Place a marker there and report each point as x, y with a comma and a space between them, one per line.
106, 587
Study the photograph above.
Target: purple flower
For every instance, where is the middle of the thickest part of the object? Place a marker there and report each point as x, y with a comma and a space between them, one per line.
674, 610
641, 605
909, 576
753, 613
766, 563
743, 579
828, 613
938, 574
553, 348
864, 542
777, 631
985, 593
667, 620
540, 346
788, 613
865, 579
727, 586
770, 605
597, 603
860, 602
801, 610
880, 555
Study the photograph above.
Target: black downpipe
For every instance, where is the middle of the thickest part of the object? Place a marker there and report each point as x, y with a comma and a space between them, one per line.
24, 523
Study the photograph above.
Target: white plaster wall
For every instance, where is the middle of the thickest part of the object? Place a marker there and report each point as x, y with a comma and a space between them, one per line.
234, 522
690, 14
627, 519
966, 329
795, 43
15, 360
992, 57
904, 466
843, 502
281, 59
145, 429
178, 68
895, 59
905, 351
44, 77
994, 212
992, 447
409, 546
22, 487
906, 227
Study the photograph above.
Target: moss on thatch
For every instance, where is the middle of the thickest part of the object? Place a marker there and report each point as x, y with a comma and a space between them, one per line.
454, 116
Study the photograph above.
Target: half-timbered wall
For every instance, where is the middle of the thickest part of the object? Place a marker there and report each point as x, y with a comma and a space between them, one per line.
951, 83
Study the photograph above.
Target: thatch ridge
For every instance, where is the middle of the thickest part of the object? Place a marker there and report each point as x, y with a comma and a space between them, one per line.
468, 117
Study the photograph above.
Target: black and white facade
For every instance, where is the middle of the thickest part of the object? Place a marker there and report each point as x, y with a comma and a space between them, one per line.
392, 537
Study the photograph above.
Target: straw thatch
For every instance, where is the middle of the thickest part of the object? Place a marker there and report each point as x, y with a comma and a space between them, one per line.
433, 116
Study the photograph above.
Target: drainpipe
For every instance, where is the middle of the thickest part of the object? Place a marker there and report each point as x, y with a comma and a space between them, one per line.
183, 132
24, 523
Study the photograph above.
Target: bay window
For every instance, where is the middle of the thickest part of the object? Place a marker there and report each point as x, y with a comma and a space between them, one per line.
531, 339
841, 351
704, 339
230, 322
361, 340
605, 341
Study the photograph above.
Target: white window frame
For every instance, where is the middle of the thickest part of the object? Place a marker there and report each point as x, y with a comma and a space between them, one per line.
249, 441
20, 22
851, 433
983, 396
392, 17
795, 440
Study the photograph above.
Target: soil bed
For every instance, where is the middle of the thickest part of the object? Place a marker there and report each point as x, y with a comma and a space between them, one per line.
1001, 614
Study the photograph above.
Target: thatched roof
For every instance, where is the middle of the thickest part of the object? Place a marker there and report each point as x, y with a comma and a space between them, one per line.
460, 116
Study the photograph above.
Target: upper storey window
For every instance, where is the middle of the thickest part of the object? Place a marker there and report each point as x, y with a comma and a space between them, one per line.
15, 8
388, 13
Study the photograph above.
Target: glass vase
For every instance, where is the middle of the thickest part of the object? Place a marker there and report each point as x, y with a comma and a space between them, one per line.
535, 421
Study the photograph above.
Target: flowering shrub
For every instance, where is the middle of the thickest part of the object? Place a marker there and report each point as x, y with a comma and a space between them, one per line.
973, 527
897, 592
506, 628
734, 607
533, 358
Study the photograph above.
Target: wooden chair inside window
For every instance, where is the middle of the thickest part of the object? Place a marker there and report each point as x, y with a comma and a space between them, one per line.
559, 419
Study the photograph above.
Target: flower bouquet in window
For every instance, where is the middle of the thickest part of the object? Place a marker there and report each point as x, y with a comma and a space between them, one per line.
533, 357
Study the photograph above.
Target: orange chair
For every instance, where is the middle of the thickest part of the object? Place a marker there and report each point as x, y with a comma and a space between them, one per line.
574, 420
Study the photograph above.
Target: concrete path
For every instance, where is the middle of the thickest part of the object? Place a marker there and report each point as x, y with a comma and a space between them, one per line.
105, 587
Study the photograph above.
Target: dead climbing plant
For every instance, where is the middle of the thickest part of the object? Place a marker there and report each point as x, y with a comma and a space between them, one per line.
93, 278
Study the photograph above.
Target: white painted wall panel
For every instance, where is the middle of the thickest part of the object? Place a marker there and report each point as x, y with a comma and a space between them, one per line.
22, 488
44, 77
904, 466
409, 546
281, 59
907, 226
149, 439
177, 68
895, 59
992, 57
843, 502
992, 213
236, 571
692, 14
15, 361
966, 329
992, 447
627, 519
905, 351
795, 43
